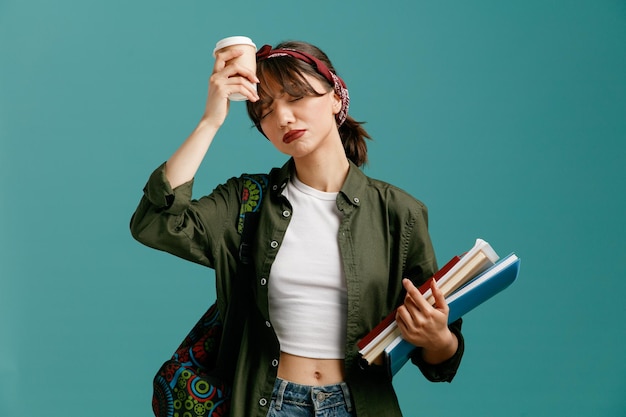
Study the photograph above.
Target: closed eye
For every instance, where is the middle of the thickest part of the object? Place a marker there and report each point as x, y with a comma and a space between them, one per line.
267, 109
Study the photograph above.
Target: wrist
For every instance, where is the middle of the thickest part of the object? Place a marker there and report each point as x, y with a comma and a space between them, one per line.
443, 350
208, 123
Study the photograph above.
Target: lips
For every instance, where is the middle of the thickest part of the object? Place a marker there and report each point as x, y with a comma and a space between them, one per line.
293, 135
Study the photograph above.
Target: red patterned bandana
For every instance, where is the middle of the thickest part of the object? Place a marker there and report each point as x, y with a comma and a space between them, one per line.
266, 52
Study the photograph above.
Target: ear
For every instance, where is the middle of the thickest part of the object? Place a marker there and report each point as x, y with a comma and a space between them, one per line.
336, 104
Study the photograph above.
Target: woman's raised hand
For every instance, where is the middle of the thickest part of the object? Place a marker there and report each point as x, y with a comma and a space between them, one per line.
227, 78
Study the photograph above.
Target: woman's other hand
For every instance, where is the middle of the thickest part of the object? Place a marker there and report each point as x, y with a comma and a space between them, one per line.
426, 325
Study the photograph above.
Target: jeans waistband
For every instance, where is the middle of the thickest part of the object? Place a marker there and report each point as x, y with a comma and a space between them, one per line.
320, 397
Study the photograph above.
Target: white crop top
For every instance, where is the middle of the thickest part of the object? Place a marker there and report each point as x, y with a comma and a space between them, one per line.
307, 286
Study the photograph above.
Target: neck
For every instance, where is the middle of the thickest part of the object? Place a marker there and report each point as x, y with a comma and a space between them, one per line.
325, 174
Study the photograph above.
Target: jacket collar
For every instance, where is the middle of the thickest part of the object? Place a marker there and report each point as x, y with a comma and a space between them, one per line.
352, 189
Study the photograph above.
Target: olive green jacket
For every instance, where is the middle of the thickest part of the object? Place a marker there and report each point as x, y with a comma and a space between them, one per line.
383, 238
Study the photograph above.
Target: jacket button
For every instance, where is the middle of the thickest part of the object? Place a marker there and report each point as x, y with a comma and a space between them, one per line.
286, 213
262, 402
274, 244
268, 324
275, 363
263, 281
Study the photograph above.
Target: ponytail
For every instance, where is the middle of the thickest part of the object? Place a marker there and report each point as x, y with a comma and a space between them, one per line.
353, 137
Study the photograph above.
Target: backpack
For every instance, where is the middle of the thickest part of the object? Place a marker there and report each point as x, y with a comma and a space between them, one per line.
196, 380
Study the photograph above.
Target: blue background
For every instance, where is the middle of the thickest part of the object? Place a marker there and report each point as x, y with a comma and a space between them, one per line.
506, 118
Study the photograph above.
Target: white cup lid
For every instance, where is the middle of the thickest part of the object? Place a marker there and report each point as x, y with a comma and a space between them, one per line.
233, 40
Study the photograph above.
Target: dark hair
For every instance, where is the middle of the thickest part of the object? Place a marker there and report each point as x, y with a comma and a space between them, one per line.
289, 72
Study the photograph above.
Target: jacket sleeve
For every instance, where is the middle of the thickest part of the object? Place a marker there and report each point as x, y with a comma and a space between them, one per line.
169, 220
445, 371
419, 272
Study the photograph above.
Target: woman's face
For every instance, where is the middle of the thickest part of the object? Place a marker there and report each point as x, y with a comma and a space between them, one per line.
302, 126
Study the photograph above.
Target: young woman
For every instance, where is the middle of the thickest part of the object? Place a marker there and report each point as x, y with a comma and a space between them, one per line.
333, 250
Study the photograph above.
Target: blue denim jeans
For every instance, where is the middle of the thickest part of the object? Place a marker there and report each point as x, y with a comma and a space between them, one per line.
295, 400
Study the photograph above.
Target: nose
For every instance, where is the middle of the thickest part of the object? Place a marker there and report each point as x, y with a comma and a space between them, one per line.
284, 114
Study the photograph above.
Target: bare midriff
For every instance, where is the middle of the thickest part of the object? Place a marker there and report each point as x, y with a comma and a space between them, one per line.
310, 371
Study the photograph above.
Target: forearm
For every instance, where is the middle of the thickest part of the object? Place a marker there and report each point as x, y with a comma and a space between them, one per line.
182, 166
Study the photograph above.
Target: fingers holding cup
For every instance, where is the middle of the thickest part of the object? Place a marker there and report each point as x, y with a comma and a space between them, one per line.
238, 53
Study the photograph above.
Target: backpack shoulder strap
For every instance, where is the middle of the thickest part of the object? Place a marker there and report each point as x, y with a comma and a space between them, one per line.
252, 194
254, 186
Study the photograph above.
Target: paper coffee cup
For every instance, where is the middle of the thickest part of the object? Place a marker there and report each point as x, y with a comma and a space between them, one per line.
248, 59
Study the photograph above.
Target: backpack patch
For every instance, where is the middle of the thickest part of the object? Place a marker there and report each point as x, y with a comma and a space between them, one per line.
251, 196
